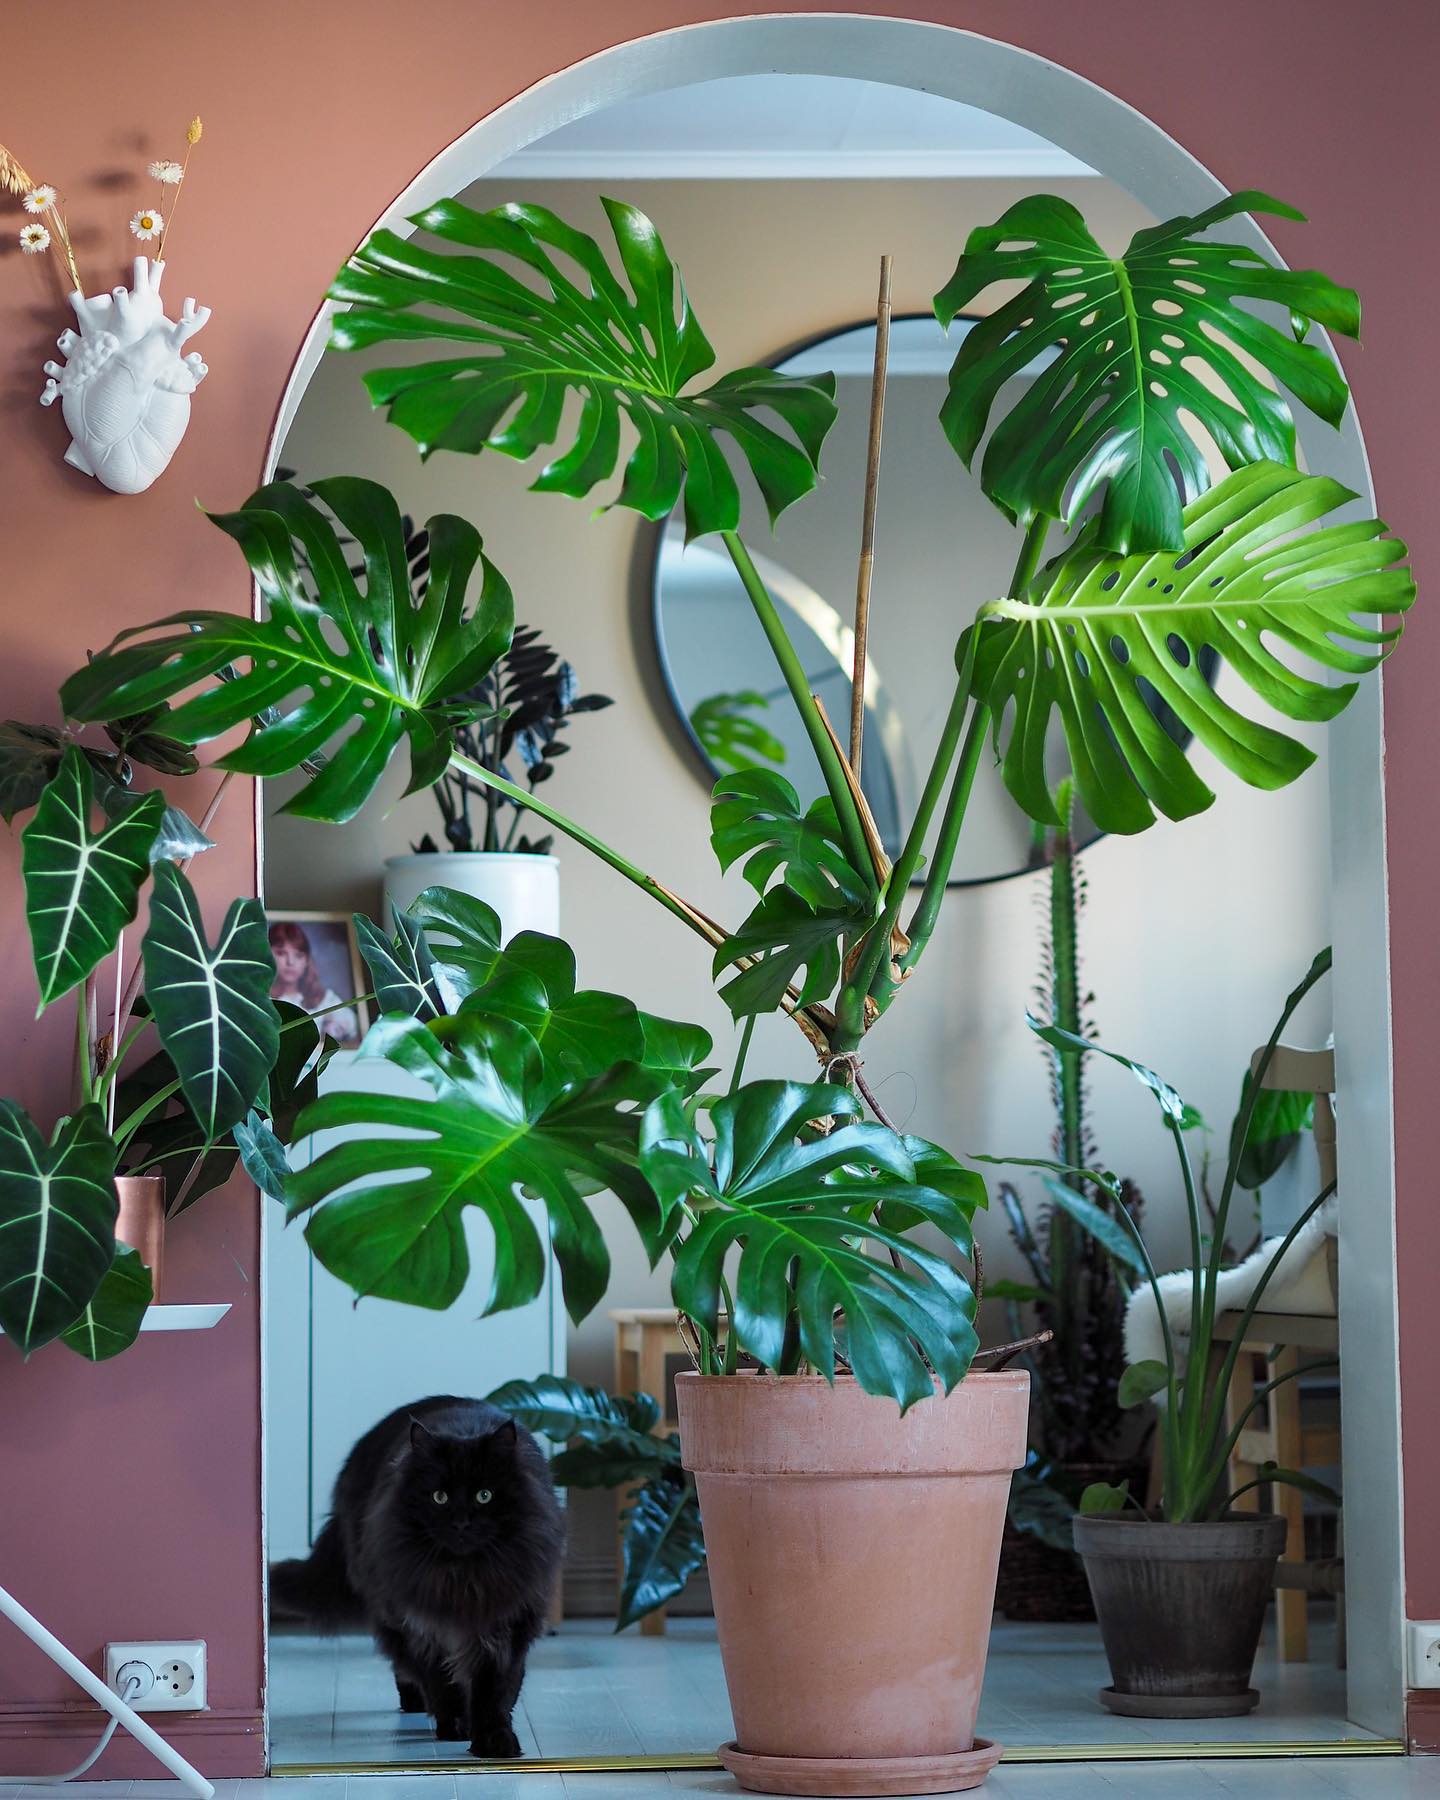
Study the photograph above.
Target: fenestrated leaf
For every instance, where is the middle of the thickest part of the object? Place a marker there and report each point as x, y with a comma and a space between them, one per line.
663, 1546
500, 1120
1097, 636
729, 736
676, 1050
527, 346
561, 1409
783, 1199
1144, 340
111, 1322
403, 668
581, 1033
401, 970
211, 1005
756, 814
57, 1221
786, 934
463, 934
82, 887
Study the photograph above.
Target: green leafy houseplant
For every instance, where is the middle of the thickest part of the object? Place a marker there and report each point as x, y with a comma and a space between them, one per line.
610, 1441
779, 1202
201, 1097
1196, 1441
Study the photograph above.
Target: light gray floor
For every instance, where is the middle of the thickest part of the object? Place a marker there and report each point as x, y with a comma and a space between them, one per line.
1314, 1778
589, 1692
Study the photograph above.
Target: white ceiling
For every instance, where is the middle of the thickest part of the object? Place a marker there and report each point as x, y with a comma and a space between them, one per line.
789, 126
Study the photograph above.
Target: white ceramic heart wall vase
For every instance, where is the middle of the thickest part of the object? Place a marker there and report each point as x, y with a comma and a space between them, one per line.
125, 384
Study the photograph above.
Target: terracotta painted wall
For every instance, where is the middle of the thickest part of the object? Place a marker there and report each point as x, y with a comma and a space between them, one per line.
129, 1495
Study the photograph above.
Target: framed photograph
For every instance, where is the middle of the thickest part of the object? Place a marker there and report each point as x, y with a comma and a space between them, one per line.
317, 966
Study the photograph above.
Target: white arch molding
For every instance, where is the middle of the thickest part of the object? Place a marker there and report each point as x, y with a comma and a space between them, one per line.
1121, 143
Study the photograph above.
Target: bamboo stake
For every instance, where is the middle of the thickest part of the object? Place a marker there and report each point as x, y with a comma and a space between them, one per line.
867, 524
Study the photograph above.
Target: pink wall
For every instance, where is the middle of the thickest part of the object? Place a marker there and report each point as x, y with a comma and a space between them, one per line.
129, 1502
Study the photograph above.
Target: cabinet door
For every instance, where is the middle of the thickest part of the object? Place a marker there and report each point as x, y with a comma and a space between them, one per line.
334, 1366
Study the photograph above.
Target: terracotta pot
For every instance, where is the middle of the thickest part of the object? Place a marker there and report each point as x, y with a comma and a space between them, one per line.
852, 1557
1180, 1610
141, 1220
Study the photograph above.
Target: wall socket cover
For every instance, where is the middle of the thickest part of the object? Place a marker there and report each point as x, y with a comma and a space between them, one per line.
178, 1668
1424, 1646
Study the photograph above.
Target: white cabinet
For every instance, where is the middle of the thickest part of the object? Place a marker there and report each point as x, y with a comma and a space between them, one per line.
334, 1367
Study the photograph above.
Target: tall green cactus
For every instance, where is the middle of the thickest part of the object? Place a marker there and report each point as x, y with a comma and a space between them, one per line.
1077, 1291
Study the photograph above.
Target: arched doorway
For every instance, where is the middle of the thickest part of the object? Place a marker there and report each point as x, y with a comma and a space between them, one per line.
1121, 143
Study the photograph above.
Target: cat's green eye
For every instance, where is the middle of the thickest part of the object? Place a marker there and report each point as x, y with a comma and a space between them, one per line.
440, 1497
484, 1496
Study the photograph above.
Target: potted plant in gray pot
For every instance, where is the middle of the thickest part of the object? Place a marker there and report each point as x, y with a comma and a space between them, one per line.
1181, 1589
791, 1211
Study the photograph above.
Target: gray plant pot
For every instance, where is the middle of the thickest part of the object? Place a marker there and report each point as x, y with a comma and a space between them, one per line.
1180, 1610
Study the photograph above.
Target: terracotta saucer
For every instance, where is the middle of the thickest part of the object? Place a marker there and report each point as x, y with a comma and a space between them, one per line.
849, 1777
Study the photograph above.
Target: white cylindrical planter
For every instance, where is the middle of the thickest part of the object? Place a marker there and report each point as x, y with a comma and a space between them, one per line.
523, 890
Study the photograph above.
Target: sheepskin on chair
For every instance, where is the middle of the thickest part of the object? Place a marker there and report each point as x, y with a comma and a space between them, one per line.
1300, 1285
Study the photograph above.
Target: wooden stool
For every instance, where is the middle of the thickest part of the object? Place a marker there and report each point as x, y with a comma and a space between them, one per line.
649, 1352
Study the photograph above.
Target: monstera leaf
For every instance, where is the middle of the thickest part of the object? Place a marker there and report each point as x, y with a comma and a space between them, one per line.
783, 1198
609, 1440
463, 935
1095, 636
756, 814
57, 1221
663, 1545
499, 1120
111, 1322
783, 935
401, 670
211, 1004
1152, 345
524, 346
729, 736
82, 886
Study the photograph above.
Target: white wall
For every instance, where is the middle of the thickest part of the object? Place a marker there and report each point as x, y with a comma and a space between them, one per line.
1193, 933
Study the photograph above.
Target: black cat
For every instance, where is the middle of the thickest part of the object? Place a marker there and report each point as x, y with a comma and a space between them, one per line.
446, 1540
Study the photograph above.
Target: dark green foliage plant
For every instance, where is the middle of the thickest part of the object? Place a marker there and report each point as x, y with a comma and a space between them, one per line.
785, 1212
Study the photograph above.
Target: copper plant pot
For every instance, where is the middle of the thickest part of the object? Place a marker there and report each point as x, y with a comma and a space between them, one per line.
852, 1557
141, 1220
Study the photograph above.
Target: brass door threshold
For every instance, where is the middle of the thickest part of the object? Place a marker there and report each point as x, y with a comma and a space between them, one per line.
1019, 1753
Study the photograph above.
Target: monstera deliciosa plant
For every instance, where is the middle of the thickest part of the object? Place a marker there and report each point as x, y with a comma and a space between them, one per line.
790, 1216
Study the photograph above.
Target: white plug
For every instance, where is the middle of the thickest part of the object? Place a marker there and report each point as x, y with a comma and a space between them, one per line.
171, 1674
1424, 1637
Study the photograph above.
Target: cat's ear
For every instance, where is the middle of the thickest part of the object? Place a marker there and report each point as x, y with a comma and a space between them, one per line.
504, 1437
421, 1438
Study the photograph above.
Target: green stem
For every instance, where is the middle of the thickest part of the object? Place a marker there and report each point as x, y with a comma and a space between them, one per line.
127, 1128
792, 669
82, 1045
597, 846
747, 1031
869, 966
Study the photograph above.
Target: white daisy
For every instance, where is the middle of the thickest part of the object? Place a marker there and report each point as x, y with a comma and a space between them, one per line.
167, 172
146, 224
34, 239
39, 199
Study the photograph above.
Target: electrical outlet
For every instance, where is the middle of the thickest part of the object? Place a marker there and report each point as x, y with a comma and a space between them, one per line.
1425, 1653
171, 1675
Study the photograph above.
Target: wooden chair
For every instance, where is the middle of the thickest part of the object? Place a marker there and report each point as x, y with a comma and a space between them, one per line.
1278, 1342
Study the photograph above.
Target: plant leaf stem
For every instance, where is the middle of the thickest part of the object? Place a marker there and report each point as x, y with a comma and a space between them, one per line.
793, 671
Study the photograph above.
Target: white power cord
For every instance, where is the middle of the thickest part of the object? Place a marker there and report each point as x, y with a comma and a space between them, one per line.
133, 1685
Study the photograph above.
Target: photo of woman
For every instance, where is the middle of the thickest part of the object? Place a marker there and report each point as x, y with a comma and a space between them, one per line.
317, 967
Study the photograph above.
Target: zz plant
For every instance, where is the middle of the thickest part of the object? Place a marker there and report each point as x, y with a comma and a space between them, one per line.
782, 1206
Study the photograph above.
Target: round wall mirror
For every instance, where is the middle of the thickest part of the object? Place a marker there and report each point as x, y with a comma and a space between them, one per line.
941, 551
